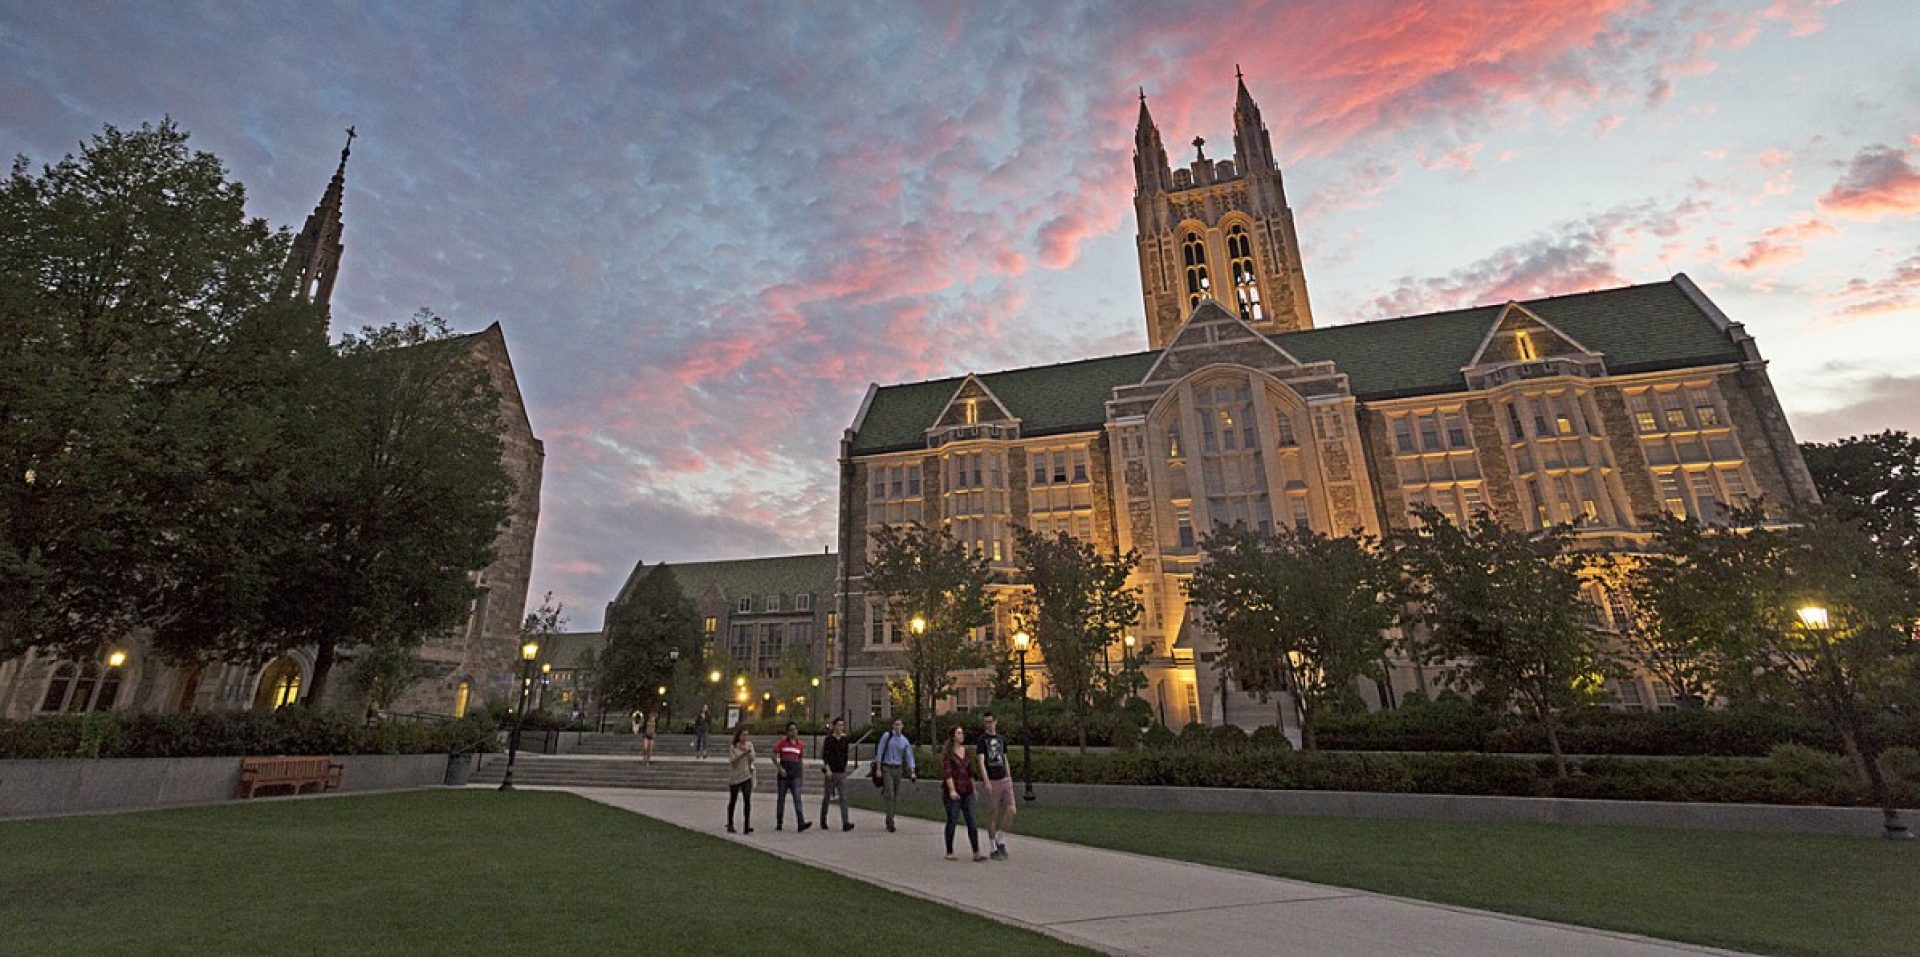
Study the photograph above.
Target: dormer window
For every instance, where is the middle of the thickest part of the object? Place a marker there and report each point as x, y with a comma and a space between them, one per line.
1523, 347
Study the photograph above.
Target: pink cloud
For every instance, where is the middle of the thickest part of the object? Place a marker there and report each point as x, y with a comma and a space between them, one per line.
1607, 124
1803, 17
1879, 182
1898, 291
1780, 245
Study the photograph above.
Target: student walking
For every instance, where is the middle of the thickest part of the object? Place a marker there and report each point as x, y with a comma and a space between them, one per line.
646, 737
991, 756
740, 779
956, 788
893, 754
787, 755
701, 725
833, 761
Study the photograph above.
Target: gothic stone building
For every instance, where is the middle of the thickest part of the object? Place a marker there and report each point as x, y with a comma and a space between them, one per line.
464, 667
1603, 407
768, 624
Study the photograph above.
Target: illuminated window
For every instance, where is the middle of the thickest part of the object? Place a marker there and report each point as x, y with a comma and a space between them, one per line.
970, 410
1523, 347
460, 696
1246, 287
279, 685
1193, 250
1708, 415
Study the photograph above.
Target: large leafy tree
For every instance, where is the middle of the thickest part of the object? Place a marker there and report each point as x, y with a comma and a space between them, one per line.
1297, 611
396, 494
1503, 613
143, 359
1848, 664
643, 634
1874, 481
1078, 604
925, 574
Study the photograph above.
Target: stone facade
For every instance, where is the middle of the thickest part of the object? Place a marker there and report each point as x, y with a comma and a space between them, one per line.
1599, 408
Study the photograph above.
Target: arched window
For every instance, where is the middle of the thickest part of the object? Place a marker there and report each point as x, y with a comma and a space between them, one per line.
279, 685
1193, 250
1246, 288
460, 697
190, 687
82, 687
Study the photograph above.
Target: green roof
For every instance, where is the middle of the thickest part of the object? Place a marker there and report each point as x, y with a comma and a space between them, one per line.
1635, 328
784, 575
563, 649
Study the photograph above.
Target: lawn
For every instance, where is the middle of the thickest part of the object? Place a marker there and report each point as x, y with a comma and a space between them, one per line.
440, 872
1763, 893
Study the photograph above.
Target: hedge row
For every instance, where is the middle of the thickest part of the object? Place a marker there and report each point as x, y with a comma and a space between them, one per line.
1456, 725
124, 734
1792, 775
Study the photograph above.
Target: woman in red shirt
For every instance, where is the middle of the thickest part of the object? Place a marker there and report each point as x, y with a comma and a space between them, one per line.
956, 785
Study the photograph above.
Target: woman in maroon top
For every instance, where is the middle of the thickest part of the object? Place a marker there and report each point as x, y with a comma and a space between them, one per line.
956, 787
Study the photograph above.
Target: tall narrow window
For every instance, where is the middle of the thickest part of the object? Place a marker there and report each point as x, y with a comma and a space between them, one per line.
971, 411
1246, 287
1193, 250
1523, 347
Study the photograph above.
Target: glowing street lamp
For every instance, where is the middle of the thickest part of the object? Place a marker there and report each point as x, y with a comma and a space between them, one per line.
1814, 618
528, 653
116, 658
1020, 642
917, 624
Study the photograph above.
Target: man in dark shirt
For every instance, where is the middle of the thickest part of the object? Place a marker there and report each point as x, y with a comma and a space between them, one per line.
833, 760
991, 756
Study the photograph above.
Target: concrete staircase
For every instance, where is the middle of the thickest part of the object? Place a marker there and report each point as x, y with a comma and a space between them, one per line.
617, 772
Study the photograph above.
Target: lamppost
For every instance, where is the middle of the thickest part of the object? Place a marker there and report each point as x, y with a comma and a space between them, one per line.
918, 626
665, 705
1020, 642
1815, 620
1126, 665
546, 678
528, 652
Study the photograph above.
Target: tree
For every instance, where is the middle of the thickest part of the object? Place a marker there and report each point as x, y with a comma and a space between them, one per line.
397, 493
1297, 611
643, 634
1824, 613
793, 679
1503, 613
141, 345
1696, 599
1873, 480
1077, 604
924, 574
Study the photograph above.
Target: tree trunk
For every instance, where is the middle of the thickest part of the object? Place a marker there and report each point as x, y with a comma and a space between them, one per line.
1552, 728
323, 657
1080, 723
1305, 714
1867, 756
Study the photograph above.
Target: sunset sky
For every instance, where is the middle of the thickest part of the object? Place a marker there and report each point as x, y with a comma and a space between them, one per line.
706, 227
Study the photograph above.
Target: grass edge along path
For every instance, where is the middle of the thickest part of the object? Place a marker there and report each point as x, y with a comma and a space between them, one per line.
437, 872
1783, 894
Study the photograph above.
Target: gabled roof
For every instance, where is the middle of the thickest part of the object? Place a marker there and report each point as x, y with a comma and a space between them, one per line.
1637, 328
785, 575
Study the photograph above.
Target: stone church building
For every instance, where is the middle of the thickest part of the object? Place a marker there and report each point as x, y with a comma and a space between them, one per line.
1600, 407
461, 669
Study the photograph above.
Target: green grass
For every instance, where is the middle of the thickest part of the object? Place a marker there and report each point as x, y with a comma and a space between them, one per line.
444, 872
1764, 893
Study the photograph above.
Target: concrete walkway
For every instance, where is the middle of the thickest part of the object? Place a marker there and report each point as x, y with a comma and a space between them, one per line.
1122, 903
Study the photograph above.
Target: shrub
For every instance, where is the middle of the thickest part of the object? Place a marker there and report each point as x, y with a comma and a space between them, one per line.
1229, 739
1158, 736
1269, 737
1454, 724
1806, 781
1195, 735
1902, 763
121, 734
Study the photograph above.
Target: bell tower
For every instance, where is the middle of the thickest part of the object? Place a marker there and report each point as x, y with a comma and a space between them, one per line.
1217, 229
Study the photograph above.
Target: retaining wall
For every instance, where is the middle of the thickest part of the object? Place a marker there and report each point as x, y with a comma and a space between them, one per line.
81, 785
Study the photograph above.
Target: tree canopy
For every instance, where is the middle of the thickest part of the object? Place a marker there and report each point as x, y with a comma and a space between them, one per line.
655, 628
926, 574
1078, 605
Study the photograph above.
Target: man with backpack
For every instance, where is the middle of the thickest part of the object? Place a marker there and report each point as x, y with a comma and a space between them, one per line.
892, 757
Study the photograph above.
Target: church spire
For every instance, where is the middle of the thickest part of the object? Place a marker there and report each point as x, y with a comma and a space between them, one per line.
1250, 139
1150, 172
314, 263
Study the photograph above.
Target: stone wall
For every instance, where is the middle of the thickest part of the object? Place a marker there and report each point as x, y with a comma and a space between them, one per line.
84, 785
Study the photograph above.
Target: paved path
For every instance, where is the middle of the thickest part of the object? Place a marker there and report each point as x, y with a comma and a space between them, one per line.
1130, 904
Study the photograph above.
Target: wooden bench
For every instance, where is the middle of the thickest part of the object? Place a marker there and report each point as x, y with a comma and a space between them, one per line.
296, 773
